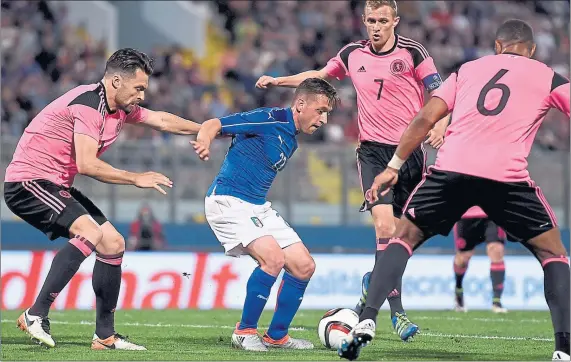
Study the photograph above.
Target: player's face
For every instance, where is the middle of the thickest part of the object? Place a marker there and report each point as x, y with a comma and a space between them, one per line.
130, 89
313, 112
380, 24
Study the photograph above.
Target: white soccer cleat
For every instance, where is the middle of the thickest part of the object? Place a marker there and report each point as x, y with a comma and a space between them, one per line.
287, 343
560, 356
359, 337
116, 341
248, 342
497, 308
37, 327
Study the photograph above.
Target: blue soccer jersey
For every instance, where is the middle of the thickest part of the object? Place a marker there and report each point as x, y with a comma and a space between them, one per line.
263, 140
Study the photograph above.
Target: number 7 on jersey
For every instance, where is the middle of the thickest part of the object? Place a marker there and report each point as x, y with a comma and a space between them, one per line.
380, 81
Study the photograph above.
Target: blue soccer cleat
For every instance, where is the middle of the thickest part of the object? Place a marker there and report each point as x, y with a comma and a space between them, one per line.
404, 327
364, 287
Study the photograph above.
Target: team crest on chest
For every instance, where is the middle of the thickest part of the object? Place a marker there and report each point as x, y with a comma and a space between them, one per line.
398, 66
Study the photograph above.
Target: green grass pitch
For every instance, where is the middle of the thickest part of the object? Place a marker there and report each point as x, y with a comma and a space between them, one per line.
205, 335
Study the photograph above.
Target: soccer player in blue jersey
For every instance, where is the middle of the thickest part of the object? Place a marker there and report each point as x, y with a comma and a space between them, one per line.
245, 223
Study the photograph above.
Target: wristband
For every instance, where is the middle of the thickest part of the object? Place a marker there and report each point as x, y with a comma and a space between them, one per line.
396, 162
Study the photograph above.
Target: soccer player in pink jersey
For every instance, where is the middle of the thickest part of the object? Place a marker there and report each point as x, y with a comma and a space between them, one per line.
473, 229
498, 103
390, 74
64, 139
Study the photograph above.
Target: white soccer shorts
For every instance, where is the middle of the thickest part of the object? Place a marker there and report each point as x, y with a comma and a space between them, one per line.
236, 223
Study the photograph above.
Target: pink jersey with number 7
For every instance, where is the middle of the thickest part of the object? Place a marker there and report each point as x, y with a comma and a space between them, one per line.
498, 103
390, 85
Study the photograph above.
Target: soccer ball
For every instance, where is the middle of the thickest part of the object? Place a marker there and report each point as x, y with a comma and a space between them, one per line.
336, 324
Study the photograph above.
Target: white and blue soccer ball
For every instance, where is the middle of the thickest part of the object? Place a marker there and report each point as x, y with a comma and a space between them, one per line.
335, 325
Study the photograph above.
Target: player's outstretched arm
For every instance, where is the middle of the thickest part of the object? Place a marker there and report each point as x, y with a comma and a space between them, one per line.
168, 122
291, 81
208, 131
89, 165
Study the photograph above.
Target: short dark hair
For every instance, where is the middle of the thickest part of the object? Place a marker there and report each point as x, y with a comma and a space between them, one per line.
318, 86
375, 4
515, 31
127, 61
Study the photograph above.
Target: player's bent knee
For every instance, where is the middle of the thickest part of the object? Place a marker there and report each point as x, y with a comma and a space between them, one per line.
548, 245
409, 233
463, 258
87, 228
495, 251
306, 269
273, 264
383, 220
112, 244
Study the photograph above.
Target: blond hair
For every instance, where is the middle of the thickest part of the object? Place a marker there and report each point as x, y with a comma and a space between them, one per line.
375, 4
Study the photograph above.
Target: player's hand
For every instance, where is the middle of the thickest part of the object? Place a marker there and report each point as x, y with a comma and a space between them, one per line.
153, 180
266, 81
202, 149
435, 138
382, 184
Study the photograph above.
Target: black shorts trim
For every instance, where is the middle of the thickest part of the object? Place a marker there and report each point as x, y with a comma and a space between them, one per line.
373, 158
49, 207
471, 232
442, 197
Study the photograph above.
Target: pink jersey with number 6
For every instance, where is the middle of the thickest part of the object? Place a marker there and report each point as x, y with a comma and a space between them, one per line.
498, 103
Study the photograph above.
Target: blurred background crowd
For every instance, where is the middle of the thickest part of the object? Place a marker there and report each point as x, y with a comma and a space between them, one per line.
43, 55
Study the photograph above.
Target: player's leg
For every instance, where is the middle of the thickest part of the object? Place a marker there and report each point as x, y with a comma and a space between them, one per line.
495, 238
466, 237
432, 209
106, 282
237, 225
550, 251
85, 235
385, 226
51, 209
522, 211
271, 260
106, 279
410, 176
299, 267
372, 159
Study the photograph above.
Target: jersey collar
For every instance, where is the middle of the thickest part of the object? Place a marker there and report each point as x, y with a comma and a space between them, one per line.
388, 51
289, 113
510, 53
105, 98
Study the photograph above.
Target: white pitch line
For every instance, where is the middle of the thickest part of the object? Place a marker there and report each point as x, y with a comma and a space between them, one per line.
508, 338
162, 325
197, 326
501, 320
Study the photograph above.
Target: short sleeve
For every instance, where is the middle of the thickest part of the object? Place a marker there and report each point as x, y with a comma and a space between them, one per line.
335, 68
338, 66
87, 121
559, 95
427, 73
447, 91
137, 115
